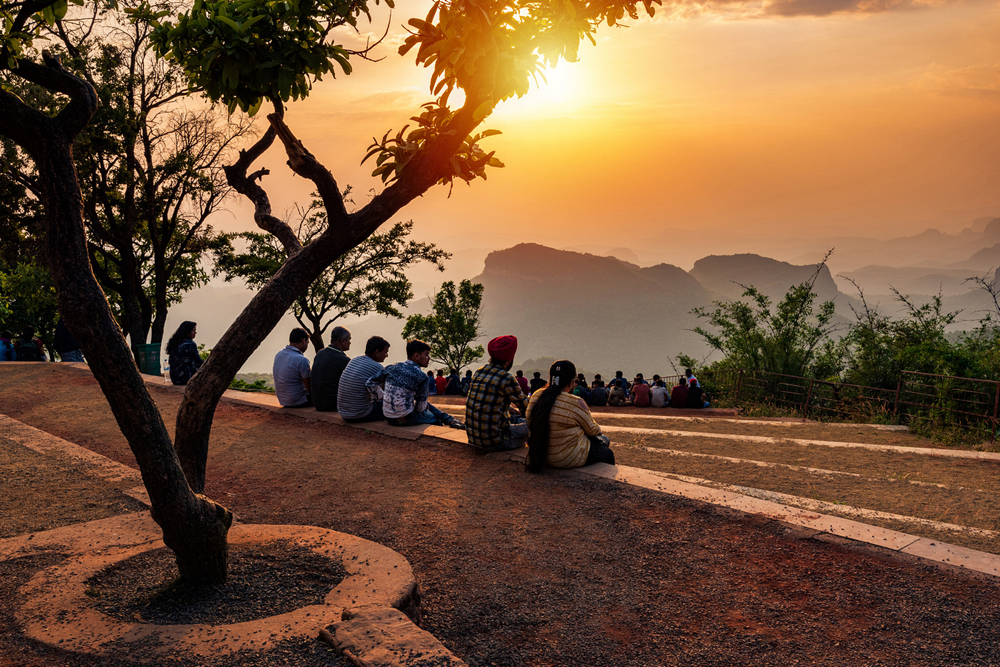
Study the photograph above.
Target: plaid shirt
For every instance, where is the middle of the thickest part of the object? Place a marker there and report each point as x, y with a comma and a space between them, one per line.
487, 419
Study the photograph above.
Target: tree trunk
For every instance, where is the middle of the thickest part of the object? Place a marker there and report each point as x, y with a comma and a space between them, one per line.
193, 526
316, 333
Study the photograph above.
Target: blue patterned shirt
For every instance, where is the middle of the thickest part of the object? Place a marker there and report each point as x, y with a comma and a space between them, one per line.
404, 388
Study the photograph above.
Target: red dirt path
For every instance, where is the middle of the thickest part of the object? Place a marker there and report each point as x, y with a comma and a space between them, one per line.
518, 569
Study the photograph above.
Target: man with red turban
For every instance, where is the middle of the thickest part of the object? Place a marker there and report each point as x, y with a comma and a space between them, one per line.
488, 408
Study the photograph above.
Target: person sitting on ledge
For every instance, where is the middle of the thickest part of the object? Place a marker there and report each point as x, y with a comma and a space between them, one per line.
466, 383
182, 353
640, 393
454, 385
328, 366
405, 390
696, 397
292, 379
679, 394
355, 403
658, 395
616, 394
563, 434
431, 384
536, 383
522, 382
488, 409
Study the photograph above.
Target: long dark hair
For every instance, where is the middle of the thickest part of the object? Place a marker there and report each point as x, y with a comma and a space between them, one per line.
561, 374
182, 334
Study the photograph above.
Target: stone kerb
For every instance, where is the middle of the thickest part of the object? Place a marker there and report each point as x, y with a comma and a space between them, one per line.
57, 611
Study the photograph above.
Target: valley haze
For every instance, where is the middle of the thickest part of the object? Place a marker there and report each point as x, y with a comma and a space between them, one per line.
618, 308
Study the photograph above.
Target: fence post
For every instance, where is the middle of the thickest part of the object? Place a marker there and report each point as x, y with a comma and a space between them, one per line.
739, 383
895, 405
809, 395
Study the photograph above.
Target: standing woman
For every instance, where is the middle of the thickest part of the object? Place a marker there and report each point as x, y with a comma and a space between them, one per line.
182, 353
563, 434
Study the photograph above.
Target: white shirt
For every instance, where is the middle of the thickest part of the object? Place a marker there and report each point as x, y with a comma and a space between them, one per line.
290, 368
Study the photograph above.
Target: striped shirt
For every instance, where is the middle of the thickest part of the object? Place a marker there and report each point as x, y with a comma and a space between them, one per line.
354, 401
570, 423
487, 420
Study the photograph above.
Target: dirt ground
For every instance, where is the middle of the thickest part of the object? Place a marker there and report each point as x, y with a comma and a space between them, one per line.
518, 569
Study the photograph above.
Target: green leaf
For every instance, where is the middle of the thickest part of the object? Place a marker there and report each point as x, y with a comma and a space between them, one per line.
483, 110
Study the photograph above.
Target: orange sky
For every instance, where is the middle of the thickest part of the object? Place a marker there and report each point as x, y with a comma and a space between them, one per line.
713, 127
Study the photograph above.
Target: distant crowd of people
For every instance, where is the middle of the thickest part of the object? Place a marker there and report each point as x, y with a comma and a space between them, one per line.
29, 347
640, 393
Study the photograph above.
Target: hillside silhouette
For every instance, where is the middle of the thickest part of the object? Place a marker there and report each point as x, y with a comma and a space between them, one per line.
607, 314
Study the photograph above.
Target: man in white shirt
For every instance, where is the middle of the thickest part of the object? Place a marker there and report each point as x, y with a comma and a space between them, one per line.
658, 395
291, 372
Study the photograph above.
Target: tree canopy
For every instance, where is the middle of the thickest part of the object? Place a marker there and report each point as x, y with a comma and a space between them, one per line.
369, 278
486, 48
452, 326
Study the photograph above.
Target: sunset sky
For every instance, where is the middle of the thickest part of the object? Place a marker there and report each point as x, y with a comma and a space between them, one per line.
713, 127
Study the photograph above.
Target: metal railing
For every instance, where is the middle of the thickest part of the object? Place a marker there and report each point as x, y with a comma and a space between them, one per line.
944, 399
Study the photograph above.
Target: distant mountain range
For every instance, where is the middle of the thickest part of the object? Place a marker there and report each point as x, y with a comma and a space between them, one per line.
606, 312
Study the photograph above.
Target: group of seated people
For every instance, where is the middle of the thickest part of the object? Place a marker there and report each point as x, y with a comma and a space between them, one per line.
452, 385
687, 393
502, 411
556, 425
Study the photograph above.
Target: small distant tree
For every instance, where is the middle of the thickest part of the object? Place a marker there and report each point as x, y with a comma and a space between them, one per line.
787, 339
369, 278
453, 325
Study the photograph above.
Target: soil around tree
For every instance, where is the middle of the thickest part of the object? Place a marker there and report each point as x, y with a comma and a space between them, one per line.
264, 580
518, 569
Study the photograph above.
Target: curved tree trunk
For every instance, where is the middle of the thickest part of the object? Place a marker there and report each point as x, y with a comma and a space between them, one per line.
193, 526
303, 266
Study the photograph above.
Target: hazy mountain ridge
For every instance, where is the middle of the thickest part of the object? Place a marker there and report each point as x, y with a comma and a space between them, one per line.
606, 313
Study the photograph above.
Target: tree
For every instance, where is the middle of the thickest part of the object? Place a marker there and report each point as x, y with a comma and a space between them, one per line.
453, 325
150, 169
785, 341
27, 298
369, 278
243, 56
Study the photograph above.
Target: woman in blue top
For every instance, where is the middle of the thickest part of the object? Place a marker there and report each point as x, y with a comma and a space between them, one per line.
182, 353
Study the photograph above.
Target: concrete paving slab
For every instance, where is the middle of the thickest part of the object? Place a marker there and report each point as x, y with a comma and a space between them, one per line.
384, 637
763, 439
941, 552
48, 444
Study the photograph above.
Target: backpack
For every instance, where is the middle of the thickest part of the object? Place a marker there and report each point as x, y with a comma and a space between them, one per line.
27, 350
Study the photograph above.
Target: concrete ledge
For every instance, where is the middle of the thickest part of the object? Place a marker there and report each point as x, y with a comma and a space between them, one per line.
383, 637
932, 550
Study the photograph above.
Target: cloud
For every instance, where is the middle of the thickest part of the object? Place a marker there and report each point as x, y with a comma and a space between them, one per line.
680, 9
977, 81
